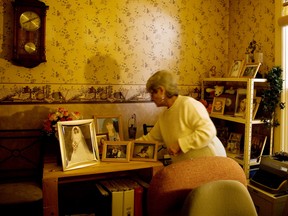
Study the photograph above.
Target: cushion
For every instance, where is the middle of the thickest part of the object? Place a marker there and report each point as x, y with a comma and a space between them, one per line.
22, 192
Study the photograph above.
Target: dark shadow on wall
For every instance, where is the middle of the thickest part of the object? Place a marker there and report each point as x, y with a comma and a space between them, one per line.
102, 70
6, 44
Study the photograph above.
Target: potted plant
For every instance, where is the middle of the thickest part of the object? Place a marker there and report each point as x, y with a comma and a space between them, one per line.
271, 97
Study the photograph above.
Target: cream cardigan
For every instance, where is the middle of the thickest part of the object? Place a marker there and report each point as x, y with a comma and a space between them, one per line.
187, 122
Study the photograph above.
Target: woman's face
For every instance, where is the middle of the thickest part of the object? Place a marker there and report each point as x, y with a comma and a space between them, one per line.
157, 96
109, 126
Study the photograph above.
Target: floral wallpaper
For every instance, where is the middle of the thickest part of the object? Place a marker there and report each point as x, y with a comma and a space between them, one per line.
101, 52
117, 45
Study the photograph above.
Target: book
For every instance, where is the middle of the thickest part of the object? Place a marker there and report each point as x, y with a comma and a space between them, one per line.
103, 201
128, 196
138, 196
116, 199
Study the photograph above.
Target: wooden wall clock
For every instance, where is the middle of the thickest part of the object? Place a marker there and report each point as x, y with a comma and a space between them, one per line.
29, 32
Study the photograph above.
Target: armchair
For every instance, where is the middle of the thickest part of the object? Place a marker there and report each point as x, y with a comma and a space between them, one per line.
170, 186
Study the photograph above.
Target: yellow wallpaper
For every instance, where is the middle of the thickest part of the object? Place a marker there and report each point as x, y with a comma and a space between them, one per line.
121, 43
96, 48
252, 19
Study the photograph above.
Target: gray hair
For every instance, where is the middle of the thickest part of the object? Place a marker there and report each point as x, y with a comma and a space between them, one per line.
165, 79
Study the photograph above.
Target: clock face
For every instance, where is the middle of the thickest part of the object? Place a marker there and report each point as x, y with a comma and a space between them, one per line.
30, 21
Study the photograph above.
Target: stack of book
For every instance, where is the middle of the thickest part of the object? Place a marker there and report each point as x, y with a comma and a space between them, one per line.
121, 197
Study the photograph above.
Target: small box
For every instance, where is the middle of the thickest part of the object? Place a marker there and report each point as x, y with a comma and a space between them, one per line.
268, 204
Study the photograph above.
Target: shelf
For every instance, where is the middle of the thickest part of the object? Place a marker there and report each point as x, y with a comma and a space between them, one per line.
235, 79
235, 119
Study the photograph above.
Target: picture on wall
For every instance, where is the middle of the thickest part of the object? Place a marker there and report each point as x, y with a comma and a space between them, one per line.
78, 143
111, 125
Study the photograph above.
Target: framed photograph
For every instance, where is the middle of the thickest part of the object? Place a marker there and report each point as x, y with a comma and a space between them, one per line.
101, 139
117, 151
241, 102
233, 144
223, 135
250, 70
111, 125
218, 105
144, 151
78, 143
256, 103
257, 145
236, 68
229, 103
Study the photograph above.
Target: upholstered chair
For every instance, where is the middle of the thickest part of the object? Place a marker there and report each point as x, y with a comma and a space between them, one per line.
171, 185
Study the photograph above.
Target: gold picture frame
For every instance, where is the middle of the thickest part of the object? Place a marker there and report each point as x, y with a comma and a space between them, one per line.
116, 151
144, 151
250, 70
218, 105
78, 143
236, 68
111, 124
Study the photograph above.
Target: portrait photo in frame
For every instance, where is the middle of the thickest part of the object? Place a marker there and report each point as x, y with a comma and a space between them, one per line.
111, 125
233, 144
256, 104
144, 151
78, 143
250, 70
116, 151
241, 102
236, 68
101, 139
218, 105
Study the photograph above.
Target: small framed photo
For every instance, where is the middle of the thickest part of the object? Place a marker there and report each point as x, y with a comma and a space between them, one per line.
117, 151
111, 125
144, 150
78, 143
236, 68
101, 139
218, 105
241, 102
256, 103
229, 103
257, 145
250, 70
233, 144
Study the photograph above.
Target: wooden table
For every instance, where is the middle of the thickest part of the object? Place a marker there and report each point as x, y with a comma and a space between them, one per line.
54, 175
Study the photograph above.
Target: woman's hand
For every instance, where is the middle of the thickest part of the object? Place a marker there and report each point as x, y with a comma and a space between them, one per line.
174, 149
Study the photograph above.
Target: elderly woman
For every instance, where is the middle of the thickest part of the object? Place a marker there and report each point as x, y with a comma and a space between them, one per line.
185, 126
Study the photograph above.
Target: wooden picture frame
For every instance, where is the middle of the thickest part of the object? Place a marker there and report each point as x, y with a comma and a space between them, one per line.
241, 102
257, 145
78, 143
229, 103
101, 139
233, 144
250, 70
116, 151
144, 151
218, 105
236, 68
256, 104
111, 124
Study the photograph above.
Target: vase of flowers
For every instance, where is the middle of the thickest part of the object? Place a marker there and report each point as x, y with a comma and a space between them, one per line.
50, 132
